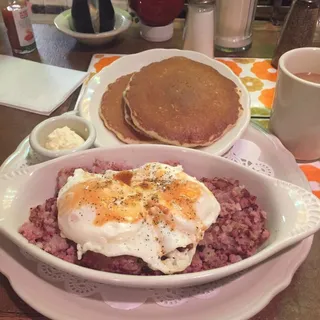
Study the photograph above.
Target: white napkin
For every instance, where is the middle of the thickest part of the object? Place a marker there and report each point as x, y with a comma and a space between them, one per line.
36, 87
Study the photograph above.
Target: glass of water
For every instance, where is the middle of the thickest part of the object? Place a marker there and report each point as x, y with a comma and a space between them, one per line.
234, 24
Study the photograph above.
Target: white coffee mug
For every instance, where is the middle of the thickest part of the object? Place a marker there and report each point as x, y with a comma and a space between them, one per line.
295, 117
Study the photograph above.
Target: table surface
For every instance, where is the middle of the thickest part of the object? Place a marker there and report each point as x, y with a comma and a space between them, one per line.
300, 301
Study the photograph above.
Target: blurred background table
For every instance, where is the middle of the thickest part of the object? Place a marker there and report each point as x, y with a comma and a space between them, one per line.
300, 301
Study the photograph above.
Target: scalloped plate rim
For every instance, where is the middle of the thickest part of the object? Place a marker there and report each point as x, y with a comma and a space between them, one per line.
246, 314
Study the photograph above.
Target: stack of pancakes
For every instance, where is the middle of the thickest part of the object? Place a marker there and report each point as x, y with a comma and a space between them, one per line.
175, 101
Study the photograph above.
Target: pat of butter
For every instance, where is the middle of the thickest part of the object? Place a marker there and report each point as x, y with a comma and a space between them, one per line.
63, 139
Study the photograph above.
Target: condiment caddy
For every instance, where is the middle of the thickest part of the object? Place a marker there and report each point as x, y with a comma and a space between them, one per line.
64, 23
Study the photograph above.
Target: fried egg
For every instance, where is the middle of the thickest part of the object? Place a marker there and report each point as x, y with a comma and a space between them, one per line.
156, 212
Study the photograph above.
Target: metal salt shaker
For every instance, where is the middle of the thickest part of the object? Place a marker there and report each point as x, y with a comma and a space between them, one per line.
199, 28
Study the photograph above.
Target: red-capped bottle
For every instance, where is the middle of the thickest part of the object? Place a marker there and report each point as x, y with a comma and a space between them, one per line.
157, 17
19, 28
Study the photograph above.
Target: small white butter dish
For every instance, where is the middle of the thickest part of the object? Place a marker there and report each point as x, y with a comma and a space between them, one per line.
80, 126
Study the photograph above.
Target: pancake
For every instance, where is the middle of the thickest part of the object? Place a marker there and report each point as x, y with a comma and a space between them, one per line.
112, 113
182, 102
127, 118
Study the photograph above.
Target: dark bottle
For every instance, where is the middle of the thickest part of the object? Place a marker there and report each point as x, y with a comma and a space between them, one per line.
107, 17
92, 16
298, 29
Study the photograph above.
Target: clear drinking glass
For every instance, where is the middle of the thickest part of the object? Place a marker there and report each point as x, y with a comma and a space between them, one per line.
234, 24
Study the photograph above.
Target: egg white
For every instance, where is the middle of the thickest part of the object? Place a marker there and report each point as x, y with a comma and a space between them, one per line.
142, 238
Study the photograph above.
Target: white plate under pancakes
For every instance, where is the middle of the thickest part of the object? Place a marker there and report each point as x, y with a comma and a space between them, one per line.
89, 103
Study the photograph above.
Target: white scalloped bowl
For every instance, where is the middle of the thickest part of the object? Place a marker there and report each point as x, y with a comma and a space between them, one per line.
89, 103
293, 213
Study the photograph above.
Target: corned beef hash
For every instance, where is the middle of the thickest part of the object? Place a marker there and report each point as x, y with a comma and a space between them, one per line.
151, 220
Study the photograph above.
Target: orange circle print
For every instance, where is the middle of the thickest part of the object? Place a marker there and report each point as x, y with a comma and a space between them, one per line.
264, 70
103, 62
313, 174
266, 97
232, 65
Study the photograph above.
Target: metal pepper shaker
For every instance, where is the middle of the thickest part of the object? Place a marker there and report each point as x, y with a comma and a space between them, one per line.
298, 29
199, 28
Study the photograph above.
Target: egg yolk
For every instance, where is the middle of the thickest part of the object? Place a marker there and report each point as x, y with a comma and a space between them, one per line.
111, 200
120, 200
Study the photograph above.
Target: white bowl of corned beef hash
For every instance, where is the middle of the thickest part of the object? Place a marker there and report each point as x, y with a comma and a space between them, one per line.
152, 215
